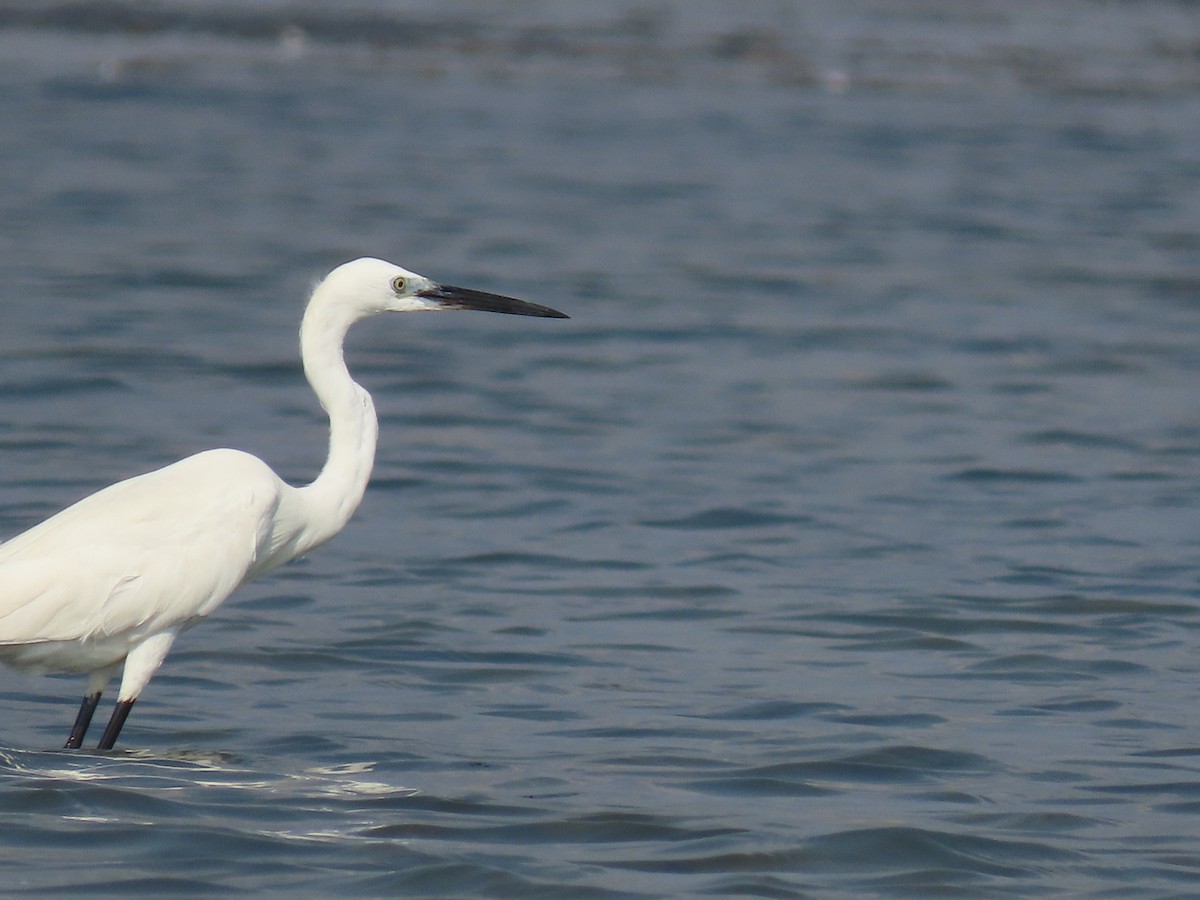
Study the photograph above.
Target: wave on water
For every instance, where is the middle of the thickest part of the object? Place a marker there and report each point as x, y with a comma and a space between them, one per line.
922, 50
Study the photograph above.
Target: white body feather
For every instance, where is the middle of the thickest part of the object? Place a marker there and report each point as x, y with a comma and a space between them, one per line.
86, 586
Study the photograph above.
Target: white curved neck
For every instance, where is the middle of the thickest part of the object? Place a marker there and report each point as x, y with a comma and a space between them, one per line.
353, 427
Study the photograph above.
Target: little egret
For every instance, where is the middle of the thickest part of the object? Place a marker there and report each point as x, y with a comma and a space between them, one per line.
115, 577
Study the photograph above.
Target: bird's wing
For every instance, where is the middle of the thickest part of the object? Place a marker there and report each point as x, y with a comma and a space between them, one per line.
142, 555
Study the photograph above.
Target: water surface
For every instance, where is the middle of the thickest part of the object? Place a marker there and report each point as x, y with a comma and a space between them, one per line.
843, 541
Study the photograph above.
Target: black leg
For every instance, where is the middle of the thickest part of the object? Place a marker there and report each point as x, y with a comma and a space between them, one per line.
120, 714
82, 721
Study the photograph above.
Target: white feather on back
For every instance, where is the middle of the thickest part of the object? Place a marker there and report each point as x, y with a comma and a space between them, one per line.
159, 550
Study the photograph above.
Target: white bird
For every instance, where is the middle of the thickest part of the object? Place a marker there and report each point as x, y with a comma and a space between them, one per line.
114, 578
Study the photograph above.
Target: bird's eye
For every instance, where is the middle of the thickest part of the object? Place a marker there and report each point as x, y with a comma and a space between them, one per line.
399, 284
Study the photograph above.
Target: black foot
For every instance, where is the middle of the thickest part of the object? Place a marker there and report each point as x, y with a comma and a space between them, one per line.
82, 721
120, 714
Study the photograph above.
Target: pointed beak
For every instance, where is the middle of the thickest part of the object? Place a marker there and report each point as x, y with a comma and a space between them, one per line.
450, 297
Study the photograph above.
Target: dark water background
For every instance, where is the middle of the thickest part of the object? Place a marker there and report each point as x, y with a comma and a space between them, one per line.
844, 542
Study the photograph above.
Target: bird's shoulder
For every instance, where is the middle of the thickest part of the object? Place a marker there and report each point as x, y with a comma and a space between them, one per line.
228, 468
212, 481
216, 489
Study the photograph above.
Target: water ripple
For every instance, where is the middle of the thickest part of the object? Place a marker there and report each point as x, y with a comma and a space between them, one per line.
842, 544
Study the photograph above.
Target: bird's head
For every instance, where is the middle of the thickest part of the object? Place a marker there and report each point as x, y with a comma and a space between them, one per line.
369, 286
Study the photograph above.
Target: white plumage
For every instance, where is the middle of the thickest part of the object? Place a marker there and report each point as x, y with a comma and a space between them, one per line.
115, 577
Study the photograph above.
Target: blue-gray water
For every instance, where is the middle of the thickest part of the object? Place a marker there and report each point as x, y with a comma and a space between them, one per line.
844, 542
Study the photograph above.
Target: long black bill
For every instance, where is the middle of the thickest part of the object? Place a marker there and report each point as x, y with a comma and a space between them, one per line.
451, 297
